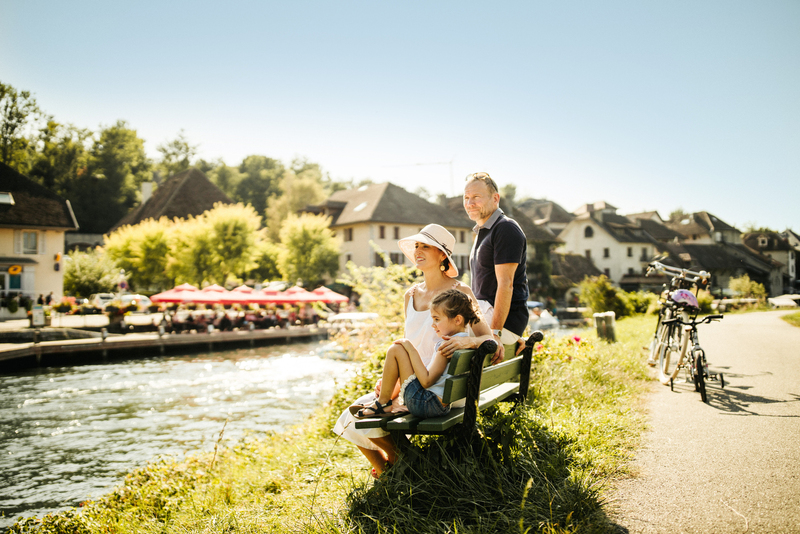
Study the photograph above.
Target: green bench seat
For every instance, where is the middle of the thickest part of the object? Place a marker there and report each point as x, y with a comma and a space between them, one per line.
474, 380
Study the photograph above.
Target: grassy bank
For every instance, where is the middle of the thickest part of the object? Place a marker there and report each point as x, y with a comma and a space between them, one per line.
792, 318
542, 468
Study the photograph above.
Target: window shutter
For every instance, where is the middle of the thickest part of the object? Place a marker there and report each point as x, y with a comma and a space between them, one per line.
17, 241
40, 239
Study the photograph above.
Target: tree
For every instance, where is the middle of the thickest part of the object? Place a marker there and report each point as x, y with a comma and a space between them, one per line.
225, 177
298, 190
18, 109
265, 259
214, 246
260, 178
176, 155
143, 250
90, 272
309, 250
110, 186
677, 215
61, 158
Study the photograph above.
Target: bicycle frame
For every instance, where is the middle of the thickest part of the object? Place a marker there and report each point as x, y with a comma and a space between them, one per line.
696, 365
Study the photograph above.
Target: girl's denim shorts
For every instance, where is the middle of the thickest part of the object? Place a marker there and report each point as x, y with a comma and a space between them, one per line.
421, 402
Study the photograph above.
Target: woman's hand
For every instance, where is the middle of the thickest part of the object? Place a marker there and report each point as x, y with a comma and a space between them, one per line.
378, 387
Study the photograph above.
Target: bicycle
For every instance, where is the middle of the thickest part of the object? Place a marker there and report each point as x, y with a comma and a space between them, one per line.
676, 300
696, 365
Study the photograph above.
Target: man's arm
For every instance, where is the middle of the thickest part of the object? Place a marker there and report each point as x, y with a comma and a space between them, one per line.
505, 289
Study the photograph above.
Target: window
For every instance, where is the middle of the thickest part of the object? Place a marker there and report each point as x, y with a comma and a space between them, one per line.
14, 281
630, 271
348, 257
397, 232
7, 198
381, 232
588, 254
606, 253
630, 252
607, 272
348, 234
762, 241
28, 243
588, 231
379, 260
645, 255
462, 237
396, 257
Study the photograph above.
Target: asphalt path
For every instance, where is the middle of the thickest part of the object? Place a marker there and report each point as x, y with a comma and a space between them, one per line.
732, 465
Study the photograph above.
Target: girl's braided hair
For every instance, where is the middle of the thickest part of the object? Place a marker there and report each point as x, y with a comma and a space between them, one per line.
453, 302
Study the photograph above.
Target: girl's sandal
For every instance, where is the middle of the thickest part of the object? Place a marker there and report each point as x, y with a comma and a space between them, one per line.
377, 410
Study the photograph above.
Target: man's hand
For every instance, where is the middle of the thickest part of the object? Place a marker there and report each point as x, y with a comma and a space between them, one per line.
500, 354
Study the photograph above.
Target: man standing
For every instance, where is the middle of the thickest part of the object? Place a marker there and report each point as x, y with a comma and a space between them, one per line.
497, 260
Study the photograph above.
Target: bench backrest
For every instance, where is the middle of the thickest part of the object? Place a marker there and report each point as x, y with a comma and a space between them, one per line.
455, 387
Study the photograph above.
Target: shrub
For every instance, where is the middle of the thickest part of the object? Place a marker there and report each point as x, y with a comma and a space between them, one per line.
598, 294
12, 305
746, 288
641, 301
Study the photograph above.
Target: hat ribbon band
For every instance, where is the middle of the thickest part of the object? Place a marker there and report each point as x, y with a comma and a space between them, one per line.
447, 251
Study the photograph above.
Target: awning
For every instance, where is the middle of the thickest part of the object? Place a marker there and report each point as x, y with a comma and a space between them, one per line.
7, 260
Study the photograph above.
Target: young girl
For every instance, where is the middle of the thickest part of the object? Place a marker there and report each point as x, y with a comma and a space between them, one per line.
452, 311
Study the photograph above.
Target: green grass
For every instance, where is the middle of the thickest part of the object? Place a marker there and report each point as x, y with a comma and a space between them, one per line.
792, 318
542, 468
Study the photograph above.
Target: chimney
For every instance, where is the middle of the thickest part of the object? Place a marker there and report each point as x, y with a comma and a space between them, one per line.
147, 191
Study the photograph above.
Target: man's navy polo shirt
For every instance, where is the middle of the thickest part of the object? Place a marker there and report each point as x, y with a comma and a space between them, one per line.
499, 241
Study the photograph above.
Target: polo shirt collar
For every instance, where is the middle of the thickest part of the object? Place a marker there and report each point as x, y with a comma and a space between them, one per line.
490, 222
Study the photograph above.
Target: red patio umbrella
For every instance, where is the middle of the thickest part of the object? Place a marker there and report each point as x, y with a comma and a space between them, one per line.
328, 295
297, 294
213, 294
177, 294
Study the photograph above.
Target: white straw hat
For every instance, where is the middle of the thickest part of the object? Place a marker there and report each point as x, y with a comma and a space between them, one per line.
436, 236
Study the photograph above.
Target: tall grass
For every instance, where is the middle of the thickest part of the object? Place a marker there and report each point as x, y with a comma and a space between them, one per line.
539, 467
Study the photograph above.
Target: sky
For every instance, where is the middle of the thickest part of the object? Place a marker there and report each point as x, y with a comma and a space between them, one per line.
645, 105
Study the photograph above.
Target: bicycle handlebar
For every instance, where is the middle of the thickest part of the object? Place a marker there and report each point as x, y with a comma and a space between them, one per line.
685, 274
694, 322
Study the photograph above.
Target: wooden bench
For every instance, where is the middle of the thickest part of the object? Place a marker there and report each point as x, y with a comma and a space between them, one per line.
475, 381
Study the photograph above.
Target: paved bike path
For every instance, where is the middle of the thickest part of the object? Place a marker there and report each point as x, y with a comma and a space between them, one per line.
732, 465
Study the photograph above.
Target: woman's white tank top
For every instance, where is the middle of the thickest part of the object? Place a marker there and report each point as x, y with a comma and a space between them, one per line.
420, 332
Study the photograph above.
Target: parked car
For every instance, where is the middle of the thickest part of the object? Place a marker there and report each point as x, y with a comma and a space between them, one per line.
140, 301
101, 300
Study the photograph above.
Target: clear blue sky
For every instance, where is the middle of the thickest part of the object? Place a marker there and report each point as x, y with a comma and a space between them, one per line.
647, 105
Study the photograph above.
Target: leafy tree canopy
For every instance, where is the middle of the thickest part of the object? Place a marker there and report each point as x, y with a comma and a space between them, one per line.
18, 113
309, 250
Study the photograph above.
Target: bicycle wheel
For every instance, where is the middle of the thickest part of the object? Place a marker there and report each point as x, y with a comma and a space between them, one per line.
698, 370
668, 353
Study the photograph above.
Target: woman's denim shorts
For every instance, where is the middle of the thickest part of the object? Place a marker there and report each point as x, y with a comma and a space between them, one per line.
421, 402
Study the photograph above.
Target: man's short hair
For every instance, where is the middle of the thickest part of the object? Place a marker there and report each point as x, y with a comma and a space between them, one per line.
485, 178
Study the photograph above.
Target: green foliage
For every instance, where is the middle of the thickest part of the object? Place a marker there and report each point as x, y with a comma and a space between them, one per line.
176, 155
640, 301
598, 294
259, 180
90, 272
61, 158
296, 191
143, 251
265, 259
745, 288
12, 305
18, 110
110, 185
705, 299
309, 250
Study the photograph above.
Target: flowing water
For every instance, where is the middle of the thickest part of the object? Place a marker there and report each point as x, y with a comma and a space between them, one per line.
69, 434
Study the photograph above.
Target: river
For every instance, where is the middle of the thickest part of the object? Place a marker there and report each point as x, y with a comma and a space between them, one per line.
69, 434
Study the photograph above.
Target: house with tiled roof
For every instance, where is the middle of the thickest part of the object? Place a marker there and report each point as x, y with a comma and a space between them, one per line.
545, 213
725, 261
188, 193
703, 227
618, 246
33, 221
777, 247
382, 214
